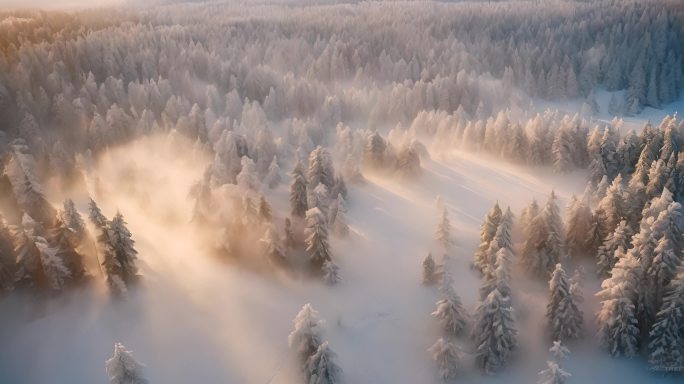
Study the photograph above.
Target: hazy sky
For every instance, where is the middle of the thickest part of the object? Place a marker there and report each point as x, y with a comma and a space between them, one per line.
53, 4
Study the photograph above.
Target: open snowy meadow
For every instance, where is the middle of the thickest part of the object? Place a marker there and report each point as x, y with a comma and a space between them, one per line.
332, 192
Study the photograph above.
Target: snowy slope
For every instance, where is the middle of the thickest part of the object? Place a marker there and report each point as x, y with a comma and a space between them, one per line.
196, 319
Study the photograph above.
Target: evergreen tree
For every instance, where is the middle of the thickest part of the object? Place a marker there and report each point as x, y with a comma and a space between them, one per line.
62, 239
543, 248
578, 224
305, 338
339, 221
298, 194
8, 258
447, 356
616, 243
617, 319
73, 220
487, 232
502, 237
273, 178
272, 248
554, 374
290, 241
265, 212
123, 247
527, 216
430, 274
321, 368
667, 334
374, 155
321, 170
319, 198
613, 204
317, 247
563, 314
331, 274
122, 368
598, 231
443, 232
494, 334
30, 271
450, 311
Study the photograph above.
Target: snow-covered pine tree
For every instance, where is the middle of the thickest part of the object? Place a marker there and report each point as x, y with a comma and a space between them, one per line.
447, 356
8, 257
265, 212
320, 198
543, 249
619, 241
122, 368
63, 242
487, 232
73, 220
527, 216
290, 240
272, 248
450, 311
317, 247
331, 274
339, 221
273, 178
430, 273
617, 319
443, 231
562, 312
494, 333
30, 270
577, 226
553, 374
598, 231
667, 334
502, 238
305, 338
374, 153
613, 203
321, 169
247, 178
321, 368
123, 247
298, 192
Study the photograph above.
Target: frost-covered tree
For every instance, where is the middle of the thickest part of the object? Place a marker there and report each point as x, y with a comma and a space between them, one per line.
578, 223
8, 258
272, 248
264, 211
613, 203
317, 247
487, 232
298, 194
443, 231
30, 271
527, 216
450, 311
616, 243
666, 346
331, 274
123, 246
305, 338
447, 356
273, 178
321, 169
430, 272
374, 152
65, 250
554, 374
247, 178
543, 248
617, 319
290, 240
321, 368
562, 312
494, 332
73, 220
598, 231
122, 368
320, 198
502, 238
339, 221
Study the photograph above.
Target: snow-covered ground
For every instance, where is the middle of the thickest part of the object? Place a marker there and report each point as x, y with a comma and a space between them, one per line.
198, 320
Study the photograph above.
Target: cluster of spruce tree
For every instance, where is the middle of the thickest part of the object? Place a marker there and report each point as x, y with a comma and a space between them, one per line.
41, 248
